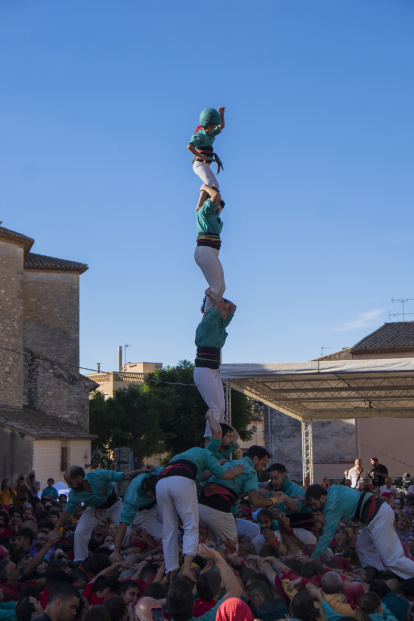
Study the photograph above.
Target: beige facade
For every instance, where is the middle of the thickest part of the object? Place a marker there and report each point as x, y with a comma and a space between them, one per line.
44, 401
133, 373
52, 457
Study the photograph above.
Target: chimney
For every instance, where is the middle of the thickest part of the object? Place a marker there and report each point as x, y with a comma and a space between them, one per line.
98, 364
120, 359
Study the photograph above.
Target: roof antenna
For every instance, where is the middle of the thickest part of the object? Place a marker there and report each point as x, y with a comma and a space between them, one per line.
323, 349
403, 314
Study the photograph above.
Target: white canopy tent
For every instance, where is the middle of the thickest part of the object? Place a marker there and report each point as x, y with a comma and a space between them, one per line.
327, 390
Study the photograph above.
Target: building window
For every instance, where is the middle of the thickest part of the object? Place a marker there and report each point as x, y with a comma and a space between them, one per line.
64, 458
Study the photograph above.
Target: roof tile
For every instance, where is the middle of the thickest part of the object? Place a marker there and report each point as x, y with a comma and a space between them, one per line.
42, 262
395, 336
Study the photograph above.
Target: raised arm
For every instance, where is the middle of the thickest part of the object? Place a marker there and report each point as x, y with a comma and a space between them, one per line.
219, 302
221, 111
51, 539
233, 588
212, 193
134, 473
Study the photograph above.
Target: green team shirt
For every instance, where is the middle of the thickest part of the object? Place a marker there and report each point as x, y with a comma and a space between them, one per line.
102, 483
135, 498
214, 447
208, 219
211, 331
201, 139
203, 460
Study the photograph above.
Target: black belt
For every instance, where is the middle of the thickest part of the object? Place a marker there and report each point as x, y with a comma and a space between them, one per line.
110, 501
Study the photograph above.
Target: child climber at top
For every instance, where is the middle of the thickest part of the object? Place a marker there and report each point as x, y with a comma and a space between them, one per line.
201, 146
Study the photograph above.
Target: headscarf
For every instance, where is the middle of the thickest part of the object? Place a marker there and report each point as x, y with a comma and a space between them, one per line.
353, 591
234, 609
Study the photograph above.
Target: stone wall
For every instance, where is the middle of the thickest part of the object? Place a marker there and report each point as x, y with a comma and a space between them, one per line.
11, 324
47, 457
16, 454
333, 441
56, 392
51, 315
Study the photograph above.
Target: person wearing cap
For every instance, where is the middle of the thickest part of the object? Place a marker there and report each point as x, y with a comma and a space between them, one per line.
206, 254
377, 544
201, 146
210, 338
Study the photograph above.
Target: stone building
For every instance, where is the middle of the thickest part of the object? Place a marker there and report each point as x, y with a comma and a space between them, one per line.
132, 373
44, 401
336, 444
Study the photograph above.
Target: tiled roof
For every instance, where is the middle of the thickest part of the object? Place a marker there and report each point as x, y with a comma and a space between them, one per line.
344, 354
17, 238
39, 425
42, 262
397, 336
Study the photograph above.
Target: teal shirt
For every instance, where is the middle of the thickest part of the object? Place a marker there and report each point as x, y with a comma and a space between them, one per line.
201, 139
135, 497
245, 482
340, 504
50, 491
102, 483
292, 490
211, 331
214, 447
8, 611
203, 460
208, 218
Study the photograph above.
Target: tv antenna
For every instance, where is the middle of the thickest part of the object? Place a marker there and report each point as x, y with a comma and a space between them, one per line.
403, 314
323, 349
125, 348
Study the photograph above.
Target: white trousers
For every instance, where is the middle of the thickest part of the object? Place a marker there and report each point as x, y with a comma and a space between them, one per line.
247, 529
305, 536
177, 496
221, 526
89, 519
203, 170
378, 545
208, 261
210, 387
150, 521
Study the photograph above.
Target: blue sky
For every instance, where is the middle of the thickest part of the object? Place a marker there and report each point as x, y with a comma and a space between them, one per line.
98, 101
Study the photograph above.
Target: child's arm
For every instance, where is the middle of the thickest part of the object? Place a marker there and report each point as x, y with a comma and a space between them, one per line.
200, 156
222, 124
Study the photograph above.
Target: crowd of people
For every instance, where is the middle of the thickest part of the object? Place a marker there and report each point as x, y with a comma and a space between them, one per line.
202, 538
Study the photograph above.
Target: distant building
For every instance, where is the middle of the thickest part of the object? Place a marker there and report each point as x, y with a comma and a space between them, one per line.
132, 373
44, 401
336, 444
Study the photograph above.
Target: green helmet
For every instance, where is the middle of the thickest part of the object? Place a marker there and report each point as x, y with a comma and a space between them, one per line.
210, 116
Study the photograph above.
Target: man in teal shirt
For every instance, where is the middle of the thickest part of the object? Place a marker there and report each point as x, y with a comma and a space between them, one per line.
50, 491
177, 496
139, 506
377, 544
290, 500
218, 497
97, 491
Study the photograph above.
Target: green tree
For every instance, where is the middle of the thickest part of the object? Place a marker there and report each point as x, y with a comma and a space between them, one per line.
166, 414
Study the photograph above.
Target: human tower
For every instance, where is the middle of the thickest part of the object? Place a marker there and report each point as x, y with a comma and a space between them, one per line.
217, 311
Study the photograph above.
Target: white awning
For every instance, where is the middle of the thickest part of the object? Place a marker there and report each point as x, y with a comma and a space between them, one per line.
329, 390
